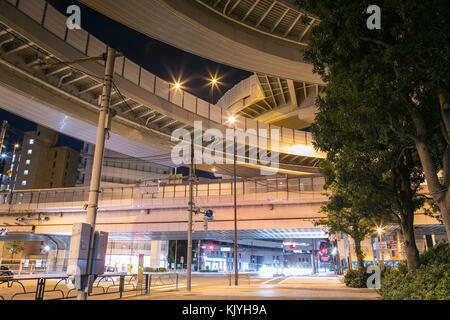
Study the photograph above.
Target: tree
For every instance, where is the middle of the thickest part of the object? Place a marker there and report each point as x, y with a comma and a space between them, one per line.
402, 71
344, 215
15, 247
369, 159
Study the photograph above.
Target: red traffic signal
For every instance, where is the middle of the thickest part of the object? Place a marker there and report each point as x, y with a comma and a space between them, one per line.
211, 247
293, 246
323, 250
3, 232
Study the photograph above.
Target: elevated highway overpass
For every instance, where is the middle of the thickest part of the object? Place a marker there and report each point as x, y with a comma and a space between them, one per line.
65, 97
262, 36
277, 207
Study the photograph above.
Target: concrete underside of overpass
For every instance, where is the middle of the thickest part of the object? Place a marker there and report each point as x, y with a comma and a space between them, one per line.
38, 99
254, 219
191, 27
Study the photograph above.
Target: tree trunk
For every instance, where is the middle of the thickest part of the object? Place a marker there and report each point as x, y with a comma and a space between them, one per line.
439, 193
409, 242
359, 255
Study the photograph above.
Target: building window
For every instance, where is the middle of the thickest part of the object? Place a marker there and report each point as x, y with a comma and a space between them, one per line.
25, 173
30, 151
27, 162
56, 154
31, 141
24, 182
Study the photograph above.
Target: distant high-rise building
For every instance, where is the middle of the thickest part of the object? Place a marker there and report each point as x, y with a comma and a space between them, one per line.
43, 164
10, 156
119, 168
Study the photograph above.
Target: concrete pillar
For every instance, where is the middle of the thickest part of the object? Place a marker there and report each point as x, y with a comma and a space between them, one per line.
155, 249
158, 248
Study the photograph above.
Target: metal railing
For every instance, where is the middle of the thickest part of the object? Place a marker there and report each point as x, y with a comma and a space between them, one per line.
273, 189
57, 287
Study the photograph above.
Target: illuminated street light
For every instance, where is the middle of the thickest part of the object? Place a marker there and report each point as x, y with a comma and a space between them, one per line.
231, 119
379, 230
177, 85
4, 155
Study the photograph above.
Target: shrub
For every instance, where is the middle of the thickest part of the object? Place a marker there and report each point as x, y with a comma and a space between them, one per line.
356, 278
430, 282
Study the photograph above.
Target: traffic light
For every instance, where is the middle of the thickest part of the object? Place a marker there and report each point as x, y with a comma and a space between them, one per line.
293, 246
210, 247
323, 250
3, 232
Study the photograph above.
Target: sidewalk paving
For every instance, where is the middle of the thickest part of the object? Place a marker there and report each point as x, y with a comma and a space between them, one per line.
291, 288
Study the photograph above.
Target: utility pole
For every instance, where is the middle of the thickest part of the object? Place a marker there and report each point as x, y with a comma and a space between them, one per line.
236, 271
313, 256
176, 245
94, 190
191, 209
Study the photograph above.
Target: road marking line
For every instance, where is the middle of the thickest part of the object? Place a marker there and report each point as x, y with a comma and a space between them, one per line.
265, 282
282, 281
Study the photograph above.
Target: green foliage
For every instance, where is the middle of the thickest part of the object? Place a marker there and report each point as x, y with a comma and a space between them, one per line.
148, 269
387, 90
356, 278
431, 281
15, 247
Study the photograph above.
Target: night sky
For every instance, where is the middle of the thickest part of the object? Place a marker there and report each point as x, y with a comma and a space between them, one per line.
163, 60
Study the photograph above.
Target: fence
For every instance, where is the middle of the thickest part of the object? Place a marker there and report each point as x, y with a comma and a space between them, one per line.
169, 195
57, 287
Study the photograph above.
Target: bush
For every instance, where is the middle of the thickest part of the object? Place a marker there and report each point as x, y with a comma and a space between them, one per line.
148, 269
430, 282
356, 278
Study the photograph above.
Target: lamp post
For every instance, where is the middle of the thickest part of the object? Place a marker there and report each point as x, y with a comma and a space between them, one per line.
232, 121
380, 257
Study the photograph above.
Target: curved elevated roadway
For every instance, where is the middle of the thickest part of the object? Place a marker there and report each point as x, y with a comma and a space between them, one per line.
65, 98
264, 36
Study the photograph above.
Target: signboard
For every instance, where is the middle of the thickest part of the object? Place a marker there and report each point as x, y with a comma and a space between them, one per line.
149, 187
383, 245
393, 244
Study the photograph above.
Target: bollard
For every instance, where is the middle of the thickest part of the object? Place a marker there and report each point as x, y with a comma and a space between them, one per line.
177, 281
121, 285
146, 283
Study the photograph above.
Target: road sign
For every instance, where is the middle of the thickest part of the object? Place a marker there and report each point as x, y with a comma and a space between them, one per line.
209, 213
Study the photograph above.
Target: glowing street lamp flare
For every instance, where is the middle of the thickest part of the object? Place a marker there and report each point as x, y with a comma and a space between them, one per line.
379, 230
177, 85
231, 119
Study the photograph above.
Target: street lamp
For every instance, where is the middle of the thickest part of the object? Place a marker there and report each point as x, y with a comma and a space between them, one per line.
380, 259
232, 121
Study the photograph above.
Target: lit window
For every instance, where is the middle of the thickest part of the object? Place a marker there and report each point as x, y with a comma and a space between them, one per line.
31, 141
25, 172
28, 162
30, 151
24, 182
